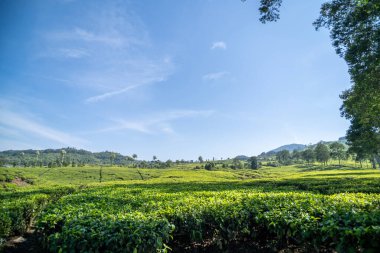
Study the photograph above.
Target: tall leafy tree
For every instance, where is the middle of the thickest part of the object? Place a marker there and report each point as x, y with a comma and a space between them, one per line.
322, 153
296, 155
337, 151
308, 155
355, 32
283, 156
254, 163
364, 142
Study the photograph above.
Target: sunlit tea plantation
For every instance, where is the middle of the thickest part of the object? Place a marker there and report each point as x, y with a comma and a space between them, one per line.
185, 208
224, 80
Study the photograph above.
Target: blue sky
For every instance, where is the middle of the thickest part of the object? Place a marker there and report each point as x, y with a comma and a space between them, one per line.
175, 79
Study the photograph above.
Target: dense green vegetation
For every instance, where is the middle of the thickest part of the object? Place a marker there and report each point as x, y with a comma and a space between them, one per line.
71, 157
186, 208
355, 34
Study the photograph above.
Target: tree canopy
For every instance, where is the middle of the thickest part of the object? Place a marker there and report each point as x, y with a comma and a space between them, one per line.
322, 153
355, 33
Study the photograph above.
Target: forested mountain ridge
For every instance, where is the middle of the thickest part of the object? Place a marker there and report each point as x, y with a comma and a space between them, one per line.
70, 156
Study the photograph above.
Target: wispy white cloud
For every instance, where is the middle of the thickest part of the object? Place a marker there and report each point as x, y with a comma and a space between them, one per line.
219, 45
111, 52
26, 124
107, 95
214, 76
79, 34
137, 73
157, 123
73, 53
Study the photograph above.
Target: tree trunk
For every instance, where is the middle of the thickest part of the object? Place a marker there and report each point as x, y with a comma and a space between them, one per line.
373, 162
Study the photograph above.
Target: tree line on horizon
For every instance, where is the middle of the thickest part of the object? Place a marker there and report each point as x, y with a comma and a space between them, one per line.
322, 153
70, 157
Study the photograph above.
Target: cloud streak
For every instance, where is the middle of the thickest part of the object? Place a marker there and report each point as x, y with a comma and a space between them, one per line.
157, 123
107, 38
214, 76
30, 126
219, 45
113, 54
110, 94
138, 73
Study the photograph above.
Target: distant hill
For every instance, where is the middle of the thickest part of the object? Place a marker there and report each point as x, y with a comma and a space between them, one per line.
300, 147
241, 158
289, 147
292, 147
49, 156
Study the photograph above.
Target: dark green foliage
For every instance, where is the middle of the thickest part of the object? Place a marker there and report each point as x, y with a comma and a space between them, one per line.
209, 166
284, 157
337, 151
237, 164
269, 10
56, 158
253, 162
16, 213
355, 31
150, 216
363, 140
308, 155
273, 164
322, 153
147, 219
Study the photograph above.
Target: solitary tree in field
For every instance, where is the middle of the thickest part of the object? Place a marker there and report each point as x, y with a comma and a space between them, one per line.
337, 151
154, 158
322, 153
200, 159
254, 164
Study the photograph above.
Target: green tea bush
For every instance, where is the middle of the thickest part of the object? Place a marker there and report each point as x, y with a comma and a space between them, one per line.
19, 208
119, 219
16, 215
